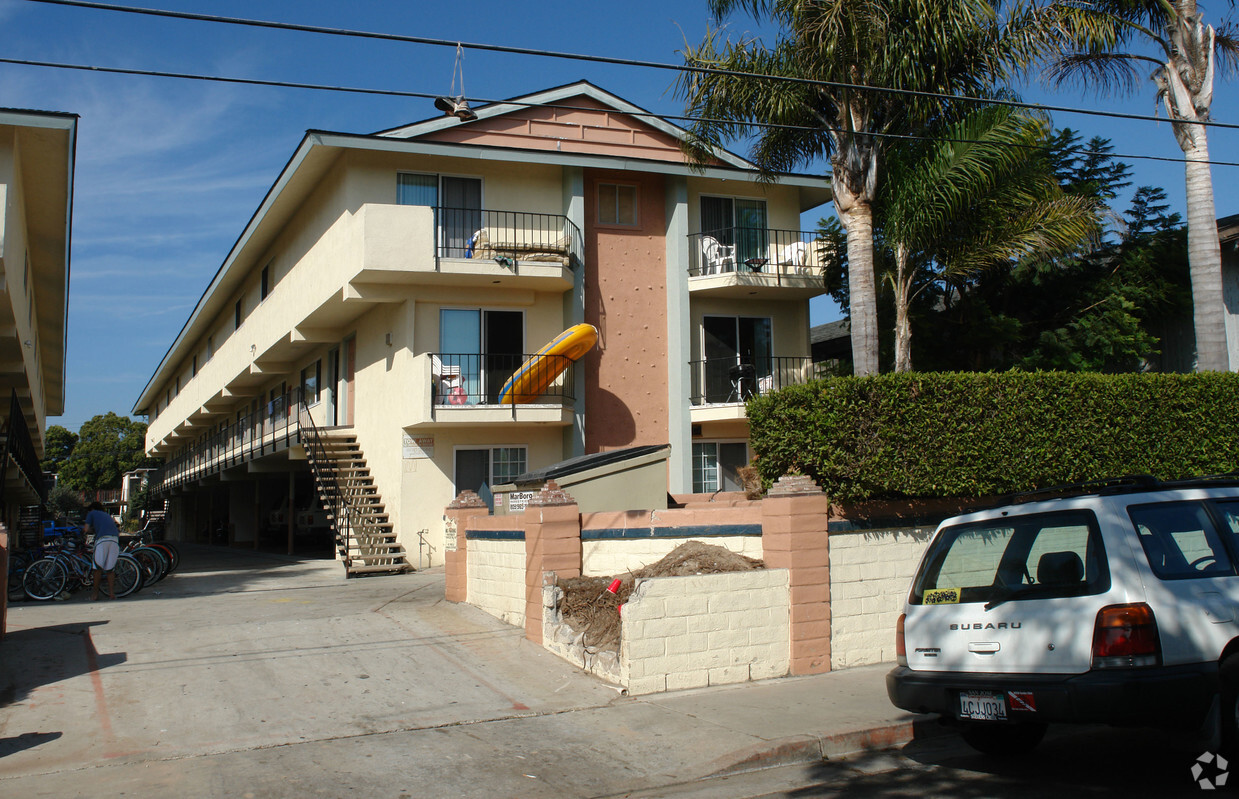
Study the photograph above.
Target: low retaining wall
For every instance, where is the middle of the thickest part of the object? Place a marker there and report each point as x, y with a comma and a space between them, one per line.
618, 543
496, 576
870, 572
712, 629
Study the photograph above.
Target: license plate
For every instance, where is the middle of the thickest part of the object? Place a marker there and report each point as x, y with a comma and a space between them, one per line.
982, 705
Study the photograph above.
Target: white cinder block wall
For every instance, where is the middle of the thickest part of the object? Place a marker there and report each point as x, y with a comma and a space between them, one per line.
495, 571
870, 573
690, 632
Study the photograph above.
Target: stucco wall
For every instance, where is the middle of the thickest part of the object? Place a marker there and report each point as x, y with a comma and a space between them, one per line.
626, 299
870, 572
496, 578
690, 632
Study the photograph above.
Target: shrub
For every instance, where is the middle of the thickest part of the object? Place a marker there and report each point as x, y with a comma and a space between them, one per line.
969, 435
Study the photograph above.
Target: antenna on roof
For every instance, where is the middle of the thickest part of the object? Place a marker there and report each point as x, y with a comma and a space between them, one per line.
455, 105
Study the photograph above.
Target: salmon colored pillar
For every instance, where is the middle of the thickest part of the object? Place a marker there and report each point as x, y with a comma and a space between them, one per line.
552, 543
456, 544
794, 537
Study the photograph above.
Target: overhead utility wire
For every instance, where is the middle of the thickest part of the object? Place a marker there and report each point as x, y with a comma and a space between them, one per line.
629, 62
558, 106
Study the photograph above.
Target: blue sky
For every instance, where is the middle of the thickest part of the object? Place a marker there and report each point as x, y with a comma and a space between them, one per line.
169, 172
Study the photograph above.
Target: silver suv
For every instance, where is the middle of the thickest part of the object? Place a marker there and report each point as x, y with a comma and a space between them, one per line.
1112, 602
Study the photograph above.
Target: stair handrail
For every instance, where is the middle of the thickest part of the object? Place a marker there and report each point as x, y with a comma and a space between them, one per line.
333, 494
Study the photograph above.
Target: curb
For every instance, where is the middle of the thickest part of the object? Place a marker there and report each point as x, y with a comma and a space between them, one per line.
824, 746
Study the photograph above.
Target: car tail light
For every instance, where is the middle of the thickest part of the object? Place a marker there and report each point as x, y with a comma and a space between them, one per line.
901, 649
1124, 636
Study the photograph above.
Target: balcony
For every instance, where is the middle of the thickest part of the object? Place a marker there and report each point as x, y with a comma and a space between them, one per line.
513, 244
746, 262
464, 389
720, 386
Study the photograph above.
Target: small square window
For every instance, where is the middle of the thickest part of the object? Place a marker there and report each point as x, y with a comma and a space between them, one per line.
617, 204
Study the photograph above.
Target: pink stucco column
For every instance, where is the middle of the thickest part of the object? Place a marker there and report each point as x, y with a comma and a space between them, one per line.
794, 537
455, 545
552, 543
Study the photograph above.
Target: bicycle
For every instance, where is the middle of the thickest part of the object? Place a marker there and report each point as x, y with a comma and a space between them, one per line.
70, 568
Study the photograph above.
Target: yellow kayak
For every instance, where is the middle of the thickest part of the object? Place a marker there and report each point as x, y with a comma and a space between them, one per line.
540, 370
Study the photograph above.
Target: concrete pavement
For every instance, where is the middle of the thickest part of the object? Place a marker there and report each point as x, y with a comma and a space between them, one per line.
253, 675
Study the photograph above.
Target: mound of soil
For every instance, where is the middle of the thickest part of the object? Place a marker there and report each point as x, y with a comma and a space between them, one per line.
587, 606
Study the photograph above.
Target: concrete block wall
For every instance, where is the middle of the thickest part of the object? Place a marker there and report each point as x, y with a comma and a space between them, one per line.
870, 573
496, 577
690, 632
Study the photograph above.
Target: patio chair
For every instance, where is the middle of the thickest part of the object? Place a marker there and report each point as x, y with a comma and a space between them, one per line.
794, 254
715, 257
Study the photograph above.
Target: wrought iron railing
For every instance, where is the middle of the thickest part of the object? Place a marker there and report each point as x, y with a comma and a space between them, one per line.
333, 497
508, 236
254, 435
19, 448
472, 379
717, 381
778, 254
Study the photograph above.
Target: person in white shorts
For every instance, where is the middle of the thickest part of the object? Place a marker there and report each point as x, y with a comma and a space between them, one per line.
107, 548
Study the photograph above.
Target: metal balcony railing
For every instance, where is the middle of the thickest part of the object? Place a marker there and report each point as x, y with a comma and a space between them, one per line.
776, 253
508, 236
274, 427
733, 379
478, 379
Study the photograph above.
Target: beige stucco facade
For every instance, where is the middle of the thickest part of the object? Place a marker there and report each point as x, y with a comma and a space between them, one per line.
345, 292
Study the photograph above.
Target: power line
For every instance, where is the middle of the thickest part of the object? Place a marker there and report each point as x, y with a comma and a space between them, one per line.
557, 106
630, 62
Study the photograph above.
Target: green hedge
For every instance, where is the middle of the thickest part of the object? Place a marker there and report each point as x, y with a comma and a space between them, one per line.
971, 435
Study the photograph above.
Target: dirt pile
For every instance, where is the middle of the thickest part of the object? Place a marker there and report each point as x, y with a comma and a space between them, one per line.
587, 606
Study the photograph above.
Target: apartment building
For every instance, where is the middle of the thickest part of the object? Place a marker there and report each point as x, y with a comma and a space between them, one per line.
37, 155
390, 284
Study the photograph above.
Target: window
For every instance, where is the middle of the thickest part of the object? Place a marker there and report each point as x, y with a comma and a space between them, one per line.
1180, 540
738, 357
479, 350
265, 283
311, 379
617, 204
236, 316
736, 222
1022, 557
479, 469
193, 371
415, 189
716, 466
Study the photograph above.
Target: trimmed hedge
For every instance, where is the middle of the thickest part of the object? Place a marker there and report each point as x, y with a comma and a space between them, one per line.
979, 434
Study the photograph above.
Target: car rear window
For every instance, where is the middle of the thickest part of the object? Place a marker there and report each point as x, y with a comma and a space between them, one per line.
1033, 556
1180, 540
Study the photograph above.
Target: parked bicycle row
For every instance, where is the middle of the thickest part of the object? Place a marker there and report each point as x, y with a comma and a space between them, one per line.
65, 564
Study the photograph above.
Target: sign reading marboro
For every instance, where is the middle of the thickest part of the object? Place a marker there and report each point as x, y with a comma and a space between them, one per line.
519, 500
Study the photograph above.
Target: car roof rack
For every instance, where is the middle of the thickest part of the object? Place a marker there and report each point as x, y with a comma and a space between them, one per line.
1125, 484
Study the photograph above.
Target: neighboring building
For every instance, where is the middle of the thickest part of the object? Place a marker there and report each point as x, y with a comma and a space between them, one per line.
390, 284
1228, 235
37, 153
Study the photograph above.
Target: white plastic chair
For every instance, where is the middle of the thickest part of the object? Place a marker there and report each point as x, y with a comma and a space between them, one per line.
715, 257
794, 254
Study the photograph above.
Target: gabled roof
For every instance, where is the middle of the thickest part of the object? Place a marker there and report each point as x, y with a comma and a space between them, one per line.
561, 97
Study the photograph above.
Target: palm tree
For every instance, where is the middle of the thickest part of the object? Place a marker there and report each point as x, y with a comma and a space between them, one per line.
979, 193
1187, 53
837, 48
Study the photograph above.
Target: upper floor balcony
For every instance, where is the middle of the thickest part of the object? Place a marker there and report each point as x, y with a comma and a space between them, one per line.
719, 387
470, 389
746, 262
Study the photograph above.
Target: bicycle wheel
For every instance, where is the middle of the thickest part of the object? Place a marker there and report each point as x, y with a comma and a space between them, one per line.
44, 579
127, 575
174, 554
154, 564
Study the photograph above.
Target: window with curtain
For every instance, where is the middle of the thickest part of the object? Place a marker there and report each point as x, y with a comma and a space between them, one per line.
736, 221
417, 189
617, 204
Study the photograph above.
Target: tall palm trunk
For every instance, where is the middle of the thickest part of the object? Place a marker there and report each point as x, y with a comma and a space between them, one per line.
903, 299
853, 182
1204, 254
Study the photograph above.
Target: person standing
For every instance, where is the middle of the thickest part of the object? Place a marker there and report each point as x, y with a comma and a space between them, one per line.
107, 548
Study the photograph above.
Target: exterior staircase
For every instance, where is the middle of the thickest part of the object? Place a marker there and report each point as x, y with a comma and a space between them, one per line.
363, 533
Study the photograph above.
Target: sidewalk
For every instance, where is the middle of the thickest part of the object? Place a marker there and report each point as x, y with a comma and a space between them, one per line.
250, 674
